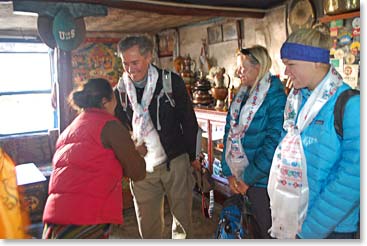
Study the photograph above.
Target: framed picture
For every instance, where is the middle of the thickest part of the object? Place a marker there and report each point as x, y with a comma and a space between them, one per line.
215, 34
229, 31
165, 44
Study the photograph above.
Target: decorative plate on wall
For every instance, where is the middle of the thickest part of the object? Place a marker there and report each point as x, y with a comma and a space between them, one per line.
300, 15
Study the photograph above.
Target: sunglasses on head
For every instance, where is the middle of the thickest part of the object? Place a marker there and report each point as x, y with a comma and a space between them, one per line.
248, 53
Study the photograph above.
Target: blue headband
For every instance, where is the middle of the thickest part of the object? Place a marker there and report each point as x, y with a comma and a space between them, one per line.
294, 51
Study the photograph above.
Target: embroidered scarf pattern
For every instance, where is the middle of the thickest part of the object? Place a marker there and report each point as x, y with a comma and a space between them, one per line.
143, 128
288, 185
141, 122
240, 120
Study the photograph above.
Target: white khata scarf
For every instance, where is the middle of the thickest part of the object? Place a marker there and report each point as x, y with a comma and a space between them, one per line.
143, 128
288, 185
235, 154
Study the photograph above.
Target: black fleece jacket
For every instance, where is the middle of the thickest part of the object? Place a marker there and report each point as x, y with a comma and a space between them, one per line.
178, 124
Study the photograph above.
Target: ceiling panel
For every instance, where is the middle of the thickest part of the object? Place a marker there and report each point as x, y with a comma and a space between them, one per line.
125, 21
256, 4
141, 16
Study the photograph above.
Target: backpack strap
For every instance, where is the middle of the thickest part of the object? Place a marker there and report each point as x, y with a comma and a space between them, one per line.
167, 86
339, 109
122, 94
123, 100
166, 90
206, 210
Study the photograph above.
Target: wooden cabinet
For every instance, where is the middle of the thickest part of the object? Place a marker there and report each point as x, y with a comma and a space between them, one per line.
212, 123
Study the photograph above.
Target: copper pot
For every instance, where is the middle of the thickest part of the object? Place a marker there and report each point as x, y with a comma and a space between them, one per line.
219, 93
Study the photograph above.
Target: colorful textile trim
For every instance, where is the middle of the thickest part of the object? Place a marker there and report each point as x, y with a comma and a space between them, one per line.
54, 231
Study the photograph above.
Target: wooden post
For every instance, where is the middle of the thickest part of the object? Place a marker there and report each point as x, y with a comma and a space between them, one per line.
65, 84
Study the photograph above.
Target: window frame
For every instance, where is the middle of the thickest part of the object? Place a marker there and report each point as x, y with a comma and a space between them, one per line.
54, 117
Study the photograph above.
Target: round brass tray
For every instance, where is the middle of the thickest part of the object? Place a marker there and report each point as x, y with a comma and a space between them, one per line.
300, 15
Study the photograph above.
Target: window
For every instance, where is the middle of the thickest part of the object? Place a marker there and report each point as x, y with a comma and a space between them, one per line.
25, 88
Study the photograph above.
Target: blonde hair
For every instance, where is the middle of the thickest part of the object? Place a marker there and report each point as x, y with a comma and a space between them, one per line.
317, 36
262, 59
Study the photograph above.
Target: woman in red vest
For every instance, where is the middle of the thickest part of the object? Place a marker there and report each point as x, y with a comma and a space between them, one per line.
92, 154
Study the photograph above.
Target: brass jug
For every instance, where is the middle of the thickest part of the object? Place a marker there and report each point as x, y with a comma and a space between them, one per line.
188, 67
332, 7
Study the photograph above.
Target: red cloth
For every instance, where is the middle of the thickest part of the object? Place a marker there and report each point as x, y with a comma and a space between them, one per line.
86, 182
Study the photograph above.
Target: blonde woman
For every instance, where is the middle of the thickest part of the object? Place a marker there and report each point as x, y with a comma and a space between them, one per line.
322, 200
253, 127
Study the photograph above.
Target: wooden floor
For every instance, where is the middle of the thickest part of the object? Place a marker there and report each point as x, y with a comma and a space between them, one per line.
203, 228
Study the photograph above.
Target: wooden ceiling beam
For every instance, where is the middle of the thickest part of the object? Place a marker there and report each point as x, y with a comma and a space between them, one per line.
173, 8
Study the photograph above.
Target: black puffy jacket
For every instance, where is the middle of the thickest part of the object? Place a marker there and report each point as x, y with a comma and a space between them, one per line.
178, 124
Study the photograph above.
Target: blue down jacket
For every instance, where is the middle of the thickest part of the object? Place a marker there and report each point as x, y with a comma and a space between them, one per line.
333, 169
262, 137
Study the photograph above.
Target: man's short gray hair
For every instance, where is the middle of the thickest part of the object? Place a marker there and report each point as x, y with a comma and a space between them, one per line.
144, 43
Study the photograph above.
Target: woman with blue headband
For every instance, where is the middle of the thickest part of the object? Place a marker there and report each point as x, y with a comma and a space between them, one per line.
252, 131
314, 182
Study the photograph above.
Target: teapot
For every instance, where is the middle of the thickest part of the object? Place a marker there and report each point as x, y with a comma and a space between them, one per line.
201, 95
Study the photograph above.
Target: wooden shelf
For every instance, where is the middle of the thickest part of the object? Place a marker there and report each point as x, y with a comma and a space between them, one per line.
328, 18
210, 114
213, 119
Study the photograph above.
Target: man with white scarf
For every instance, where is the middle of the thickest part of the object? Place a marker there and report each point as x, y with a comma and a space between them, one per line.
314, 182
166, 130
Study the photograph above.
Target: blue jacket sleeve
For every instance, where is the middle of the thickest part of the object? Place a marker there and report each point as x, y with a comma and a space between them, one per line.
341, 195
260, 167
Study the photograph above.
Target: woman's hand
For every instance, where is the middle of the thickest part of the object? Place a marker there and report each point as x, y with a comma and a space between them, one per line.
237, 187
142, 149
242, 187
233, 184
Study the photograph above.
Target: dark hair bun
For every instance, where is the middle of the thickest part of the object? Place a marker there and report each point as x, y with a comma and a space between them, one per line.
91, 94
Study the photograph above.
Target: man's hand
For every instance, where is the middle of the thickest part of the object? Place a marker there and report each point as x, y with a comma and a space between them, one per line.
196, 164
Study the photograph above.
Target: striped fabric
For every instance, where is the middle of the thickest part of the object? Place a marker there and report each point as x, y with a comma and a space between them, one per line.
53, 231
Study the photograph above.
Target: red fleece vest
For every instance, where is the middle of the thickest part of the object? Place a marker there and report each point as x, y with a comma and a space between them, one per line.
85, 185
